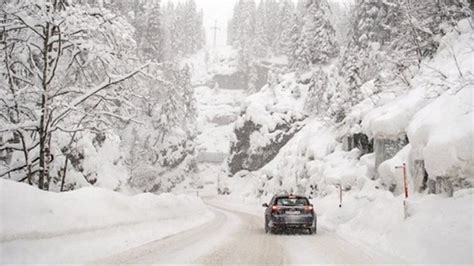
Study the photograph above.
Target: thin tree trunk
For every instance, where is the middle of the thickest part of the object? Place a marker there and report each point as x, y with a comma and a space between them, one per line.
63, 179
43, 161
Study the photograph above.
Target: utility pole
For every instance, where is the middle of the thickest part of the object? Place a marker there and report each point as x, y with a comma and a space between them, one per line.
215, 29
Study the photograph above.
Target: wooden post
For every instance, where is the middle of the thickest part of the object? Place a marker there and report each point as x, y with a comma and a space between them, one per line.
405, 180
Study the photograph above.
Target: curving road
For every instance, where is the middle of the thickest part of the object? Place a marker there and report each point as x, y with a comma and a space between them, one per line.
236, 237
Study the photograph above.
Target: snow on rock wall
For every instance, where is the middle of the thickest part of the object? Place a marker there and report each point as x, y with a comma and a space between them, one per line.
270, 119
429, 127
436, 116
442, 134
311, 163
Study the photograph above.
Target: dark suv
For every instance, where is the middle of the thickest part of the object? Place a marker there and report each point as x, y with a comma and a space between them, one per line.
289, 211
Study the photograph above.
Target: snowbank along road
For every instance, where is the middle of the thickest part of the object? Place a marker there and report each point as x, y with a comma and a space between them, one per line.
236, 236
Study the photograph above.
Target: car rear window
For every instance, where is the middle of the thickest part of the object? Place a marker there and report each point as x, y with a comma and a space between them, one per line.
292, 201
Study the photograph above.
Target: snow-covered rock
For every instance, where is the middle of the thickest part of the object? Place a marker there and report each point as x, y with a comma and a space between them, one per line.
270, 119
442, 134
436, 115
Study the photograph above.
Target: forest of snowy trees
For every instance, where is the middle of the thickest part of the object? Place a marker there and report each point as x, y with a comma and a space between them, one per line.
337, 78
385, 42
86, 84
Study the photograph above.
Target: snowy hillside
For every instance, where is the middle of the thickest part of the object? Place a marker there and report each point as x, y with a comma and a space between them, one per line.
436, 116
218, 110
435, 121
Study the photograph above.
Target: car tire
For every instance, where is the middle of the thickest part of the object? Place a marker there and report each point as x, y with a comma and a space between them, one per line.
267, 228
313, 229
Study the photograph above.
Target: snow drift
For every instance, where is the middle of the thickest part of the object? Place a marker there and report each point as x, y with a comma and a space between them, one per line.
37, 213
87, 223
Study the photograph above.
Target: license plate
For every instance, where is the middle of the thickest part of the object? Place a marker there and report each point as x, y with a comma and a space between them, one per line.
292, 212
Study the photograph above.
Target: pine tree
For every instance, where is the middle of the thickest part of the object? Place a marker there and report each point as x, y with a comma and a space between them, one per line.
317, 40
375, 25
316, 102
153, 41
285, 26
189, 101
172, 109
294, 50
272, 21
261, 45
351, 72
244, 38
183, 29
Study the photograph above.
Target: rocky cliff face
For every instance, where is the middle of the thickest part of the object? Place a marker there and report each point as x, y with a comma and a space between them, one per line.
248, 152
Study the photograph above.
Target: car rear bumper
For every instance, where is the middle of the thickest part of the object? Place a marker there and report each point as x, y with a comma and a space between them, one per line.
305, 221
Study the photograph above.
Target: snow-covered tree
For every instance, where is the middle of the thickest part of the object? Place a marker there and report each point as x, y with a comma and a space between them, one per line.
272, 21
62, 75
390, 37
189, 100
153, 40
261, 44
317, 39
286, 17
294, 50
183, 29
317, 101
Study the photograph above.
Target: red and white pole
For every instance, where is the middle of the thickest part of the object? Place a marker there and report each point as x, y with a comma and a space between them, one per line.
405, 182
405, 187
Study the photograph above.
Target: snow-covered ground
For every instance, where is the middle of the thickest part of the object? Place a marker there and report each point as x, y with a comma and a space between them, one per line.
218, 109
236, 236
208, 62
438, 229
87, 224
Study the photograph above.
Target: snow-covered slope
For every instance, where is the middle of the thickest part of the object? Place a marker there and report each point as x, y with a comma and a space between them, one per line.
438, 229
217, 110
436, 115
270, 118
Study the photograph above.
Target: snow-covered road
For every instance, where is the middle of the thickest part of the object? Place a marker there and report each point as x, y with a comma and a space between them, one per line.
236, 236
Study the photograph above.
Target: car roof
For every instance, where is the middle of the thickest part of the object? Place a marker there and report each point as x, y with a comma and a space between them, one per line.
289, 195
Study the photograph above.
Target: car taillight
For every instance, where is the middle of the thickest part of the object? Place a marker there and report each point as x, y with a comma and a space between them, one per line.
308, 209
275, 209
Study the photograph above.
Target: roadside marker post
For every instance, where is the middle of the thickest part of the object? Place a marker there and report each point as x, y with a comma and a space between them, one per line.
405, 187
340, 195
